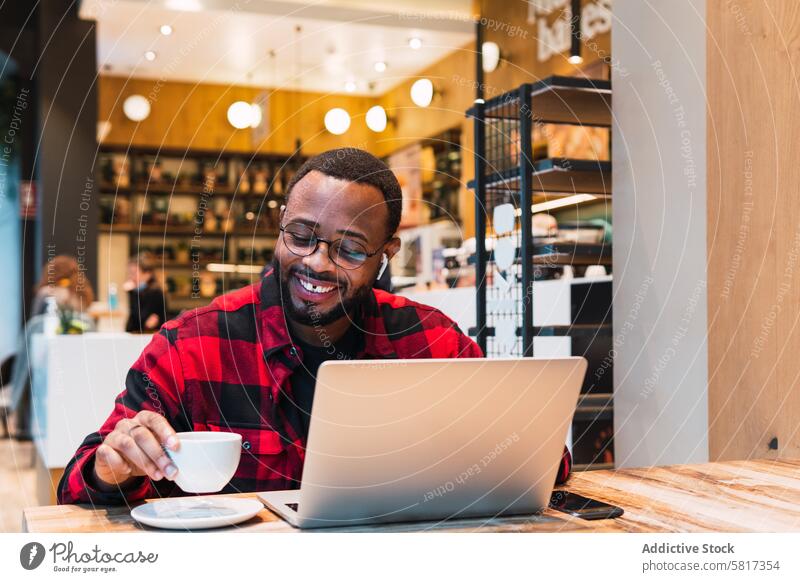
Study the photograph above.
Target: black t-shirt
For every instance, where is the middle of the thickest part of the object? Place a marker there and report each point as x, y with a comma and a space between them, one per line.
304, 376
143, 303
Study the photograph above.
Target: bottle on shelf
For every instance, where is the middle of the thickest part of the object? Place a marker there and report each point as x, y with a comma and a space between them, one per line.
113, 297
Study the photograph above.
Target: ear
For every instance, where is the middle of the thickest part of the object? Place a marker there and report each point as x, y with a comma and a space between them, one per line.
392, 247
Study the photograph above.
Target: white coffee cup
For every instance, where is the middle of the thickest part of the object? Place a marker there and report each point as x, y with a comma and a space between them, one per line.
206, 460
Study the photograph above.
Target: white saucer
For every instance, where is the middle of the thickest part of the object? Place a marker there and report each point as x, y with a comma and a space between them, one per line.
196, 512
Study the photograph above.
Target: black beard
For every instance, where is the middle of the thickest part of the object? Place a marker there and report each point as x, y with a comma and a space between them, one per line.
347, 306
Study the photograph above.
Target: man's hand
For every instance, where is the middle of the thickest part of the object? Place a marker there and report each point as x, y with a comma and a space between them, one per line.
133, 449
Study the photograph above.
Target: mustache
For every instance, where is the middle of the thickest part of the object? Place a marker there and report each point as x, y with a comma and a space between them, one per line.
324, 277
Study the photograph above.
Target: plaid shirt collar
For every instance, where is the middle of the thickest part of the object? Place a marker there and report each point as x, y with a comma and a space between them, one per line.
274, 330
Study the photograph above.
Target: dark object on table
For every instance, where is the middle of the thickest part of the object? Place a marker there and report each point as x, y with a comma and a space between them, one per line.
583, 507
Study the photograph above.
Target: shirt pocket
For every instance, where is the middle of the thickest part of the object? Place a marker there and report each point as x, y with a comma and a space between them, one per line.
257, 439
265, 464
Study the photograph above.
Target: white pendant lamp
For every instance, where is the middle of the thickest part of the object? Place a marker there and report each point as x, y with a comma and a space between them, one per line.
136, 108
422, 92
337, 121
376, 118
242, 114
491, 56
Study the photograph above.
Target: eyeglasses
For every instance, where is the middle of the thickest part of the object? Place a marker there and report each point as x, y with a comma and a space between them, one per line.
346, 253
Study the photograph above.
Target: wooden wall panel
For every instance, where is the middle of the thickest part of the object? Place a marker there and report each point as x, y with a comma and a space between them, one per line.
189, 115
753, 228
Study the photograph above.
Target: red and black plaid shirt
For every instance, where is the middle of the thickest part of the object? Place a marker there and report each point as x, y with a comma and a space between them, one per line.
226, 366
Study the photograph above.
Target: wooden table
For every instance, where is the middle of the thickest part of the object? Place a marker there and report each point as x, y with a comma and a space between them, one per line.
737, 496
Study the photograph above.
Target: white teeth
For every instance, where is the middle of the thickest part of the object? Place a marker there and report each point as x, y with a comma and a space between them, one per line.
314, 288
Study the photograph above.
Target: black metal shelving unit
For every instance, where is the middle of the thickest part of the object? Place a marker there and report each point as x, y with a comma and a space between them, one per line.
507, 173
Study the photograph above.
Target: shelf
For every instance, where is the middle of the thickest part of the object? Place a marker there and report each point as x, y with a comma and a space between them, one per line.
571, 253
563, 253
190, 153
592, 407
556, 175
557, 99
181, 231
560, 259
563, 330
572, 176
166, 190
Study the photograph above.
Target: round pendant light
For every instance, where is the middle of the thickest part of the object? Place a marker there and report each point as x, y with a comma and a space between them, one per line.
491, 56
376, 118
136, 108
242, 114
337, 121
422, 92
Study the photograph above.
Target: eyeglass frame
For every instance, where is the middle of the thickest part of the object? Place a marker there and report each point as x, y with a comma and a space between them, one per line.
330, 243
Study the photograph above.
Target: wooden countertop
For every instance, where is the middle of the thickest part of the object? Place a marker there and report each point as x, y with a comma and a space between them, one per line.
738, 496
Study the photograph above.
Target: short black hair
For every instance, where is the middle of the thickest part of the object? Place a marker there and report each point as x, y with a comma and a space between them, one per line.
355, 165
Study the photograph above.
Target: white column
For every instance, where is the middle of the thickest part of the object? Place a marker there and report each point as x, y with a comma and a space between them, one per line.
659, 179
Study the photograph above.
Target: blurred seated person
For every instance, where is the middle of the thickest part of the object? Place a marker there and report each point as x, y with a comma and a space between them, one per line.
248, 362
146, 300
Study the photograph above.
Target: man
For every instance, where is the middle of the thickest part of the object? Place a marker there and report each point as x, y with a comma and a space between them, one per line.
247, 362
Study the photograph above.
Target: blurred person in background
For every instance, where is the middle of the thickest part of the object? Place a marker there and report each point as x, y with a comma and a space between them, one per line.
62, 278
145, 296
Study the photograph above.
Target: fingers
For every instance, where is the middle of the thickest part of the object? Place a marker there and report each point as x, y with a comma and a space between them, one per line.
110, 466
160, 427
147, 442
127, 446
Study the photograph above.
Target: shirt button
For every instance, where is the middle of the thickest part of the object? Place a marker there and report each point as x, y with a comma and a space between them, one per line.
246, 445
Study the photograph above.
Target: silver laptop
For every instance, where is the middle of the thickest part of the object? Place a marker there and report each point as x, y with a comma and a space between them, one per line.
422, 440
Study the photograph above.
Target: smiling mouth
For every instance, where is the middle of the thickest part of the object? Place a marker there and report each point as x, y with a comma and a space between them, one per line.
315, 287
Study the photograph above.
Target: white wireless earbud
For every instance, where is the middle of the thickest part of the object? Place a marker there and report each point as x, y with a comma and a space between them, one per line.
384, 264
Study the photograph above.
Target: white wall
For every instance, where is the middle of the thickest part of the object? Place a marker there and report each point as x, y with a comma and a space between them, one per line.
659, 161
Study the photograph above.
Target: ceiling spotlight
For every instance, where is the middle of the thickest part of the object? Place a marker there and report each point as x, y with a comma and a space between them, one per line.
166, 29
337, 121
415, 42
242, 114
380, 67
136, 108
575, 59
150, 55
491, 56
422, 92
350, 86
376, 118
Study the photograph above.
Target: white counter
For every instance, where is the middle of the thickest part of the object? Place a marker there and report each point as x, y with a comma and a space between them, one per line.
75, 381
